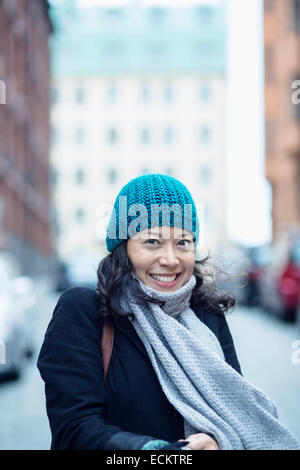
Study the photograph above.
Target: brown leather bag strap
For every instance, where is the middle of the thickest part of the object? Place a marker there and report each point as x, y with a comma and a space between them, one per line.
106, 346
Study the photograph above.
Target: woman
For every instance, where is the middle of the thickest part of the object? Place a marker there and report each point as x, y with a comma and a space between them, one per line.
174, 378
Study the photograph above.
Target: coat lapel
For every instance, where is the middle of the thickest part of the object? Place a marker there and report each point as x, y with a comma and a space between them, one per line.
125, 326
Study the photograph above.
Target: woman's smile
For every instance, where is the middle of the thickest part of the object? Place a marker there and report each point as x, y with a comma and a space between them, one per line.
165, 280
163, 258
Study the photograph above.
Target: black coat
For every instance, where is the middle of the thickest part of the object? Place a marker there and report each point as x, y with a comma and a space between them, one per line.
132, 408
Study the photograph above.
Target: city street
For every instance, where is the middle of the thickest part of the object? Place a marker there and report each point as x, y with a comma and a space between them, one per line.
264, 347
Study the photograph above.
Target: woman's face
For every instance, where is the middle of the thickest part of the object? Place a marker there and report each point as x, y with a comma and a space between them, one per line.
163, 257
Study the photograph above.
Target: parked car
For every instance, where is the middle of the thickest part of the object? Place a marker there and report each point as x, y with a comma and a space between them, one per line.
280, 283
61, 279
289, 283
15, 328
24, 289
258, 260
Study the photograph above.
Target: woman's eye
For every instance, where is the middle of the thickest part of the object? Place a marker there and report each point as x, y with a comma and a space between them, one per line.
154, 241
188, 241
151, 240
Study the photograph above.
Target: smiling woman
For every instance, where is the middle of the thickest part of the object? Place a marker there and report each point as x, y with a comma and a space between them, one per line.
161, 251
162, 263
174, 380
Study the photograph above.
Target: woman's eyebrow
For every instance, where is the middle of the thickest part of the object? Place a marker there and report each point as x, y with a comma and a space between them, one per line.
160, 235
184, 234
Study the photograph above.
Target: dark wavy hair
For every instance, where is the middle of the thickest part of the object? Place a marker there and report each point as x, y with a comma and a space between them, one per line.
115, 279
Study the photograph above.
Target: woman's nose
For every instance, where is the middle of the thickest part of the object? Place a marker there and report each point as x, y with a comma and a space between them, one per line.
168, 256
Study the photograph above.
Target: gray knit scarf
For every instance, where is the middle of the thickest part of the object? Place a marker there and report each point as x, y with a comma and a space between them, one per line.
189, 362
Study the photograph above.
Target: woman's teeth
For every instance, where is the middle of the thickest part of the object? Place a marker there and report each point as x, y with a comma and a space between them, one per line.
164, 278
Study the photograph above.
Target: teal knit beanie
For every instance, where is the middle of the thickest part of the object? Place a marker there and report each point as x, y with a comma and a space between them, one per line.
149, 201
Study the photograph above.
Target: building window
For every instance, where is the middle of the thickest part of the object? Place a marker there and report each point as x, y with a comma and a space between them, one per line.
205, 93
158, 15
114, 13
56, 222
80, 215
270, 137
53, 176
80, 176
145, 94
55, 135
112, 94
205, 14
112, 136
296, 15
269, 63
269, 5
80, 135
79, 95
112, 176
205, 175
205, 134
168, 135
54, 96
145, 135
168, 94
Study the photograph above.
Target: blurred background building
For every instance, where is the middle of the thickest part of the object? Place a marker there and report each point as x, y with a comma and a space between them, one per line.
282, 68
136, 89
24, 140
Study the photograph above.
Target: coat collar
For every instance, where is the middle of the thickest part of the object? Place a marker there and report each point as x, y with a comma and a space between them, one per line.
125, 326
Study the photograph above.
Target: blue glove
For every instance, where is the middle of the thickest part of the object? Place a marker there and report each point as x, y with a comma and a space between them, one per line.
164, 445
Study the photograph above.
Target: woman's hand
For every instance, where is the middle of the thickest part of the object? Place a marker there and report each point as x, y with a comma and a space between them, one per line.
201, 441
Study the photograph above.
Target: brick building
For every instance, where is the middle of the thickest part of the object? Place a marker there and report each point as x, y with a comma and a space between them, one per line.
24, 132
282, 67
